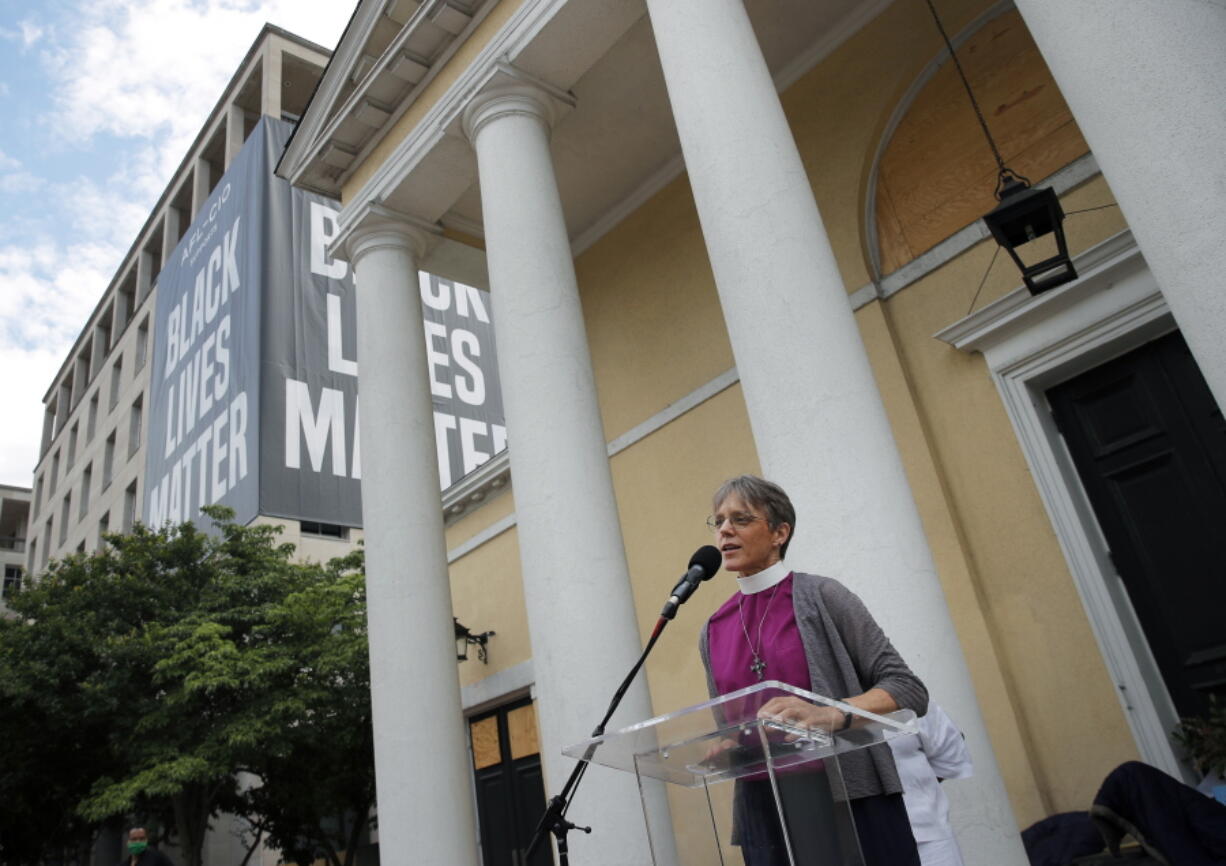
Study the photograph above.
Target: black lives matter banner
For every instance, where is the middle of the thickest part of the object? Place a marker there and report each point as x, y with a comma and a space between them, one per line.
254, 399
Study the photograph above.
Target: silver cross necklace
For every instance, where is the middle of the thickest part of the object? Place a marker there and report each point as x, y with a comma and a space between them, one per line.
758, 665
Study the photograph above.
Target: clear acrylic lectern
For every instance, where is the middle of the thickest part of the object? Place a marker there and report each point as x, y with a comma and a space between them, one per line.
788, 803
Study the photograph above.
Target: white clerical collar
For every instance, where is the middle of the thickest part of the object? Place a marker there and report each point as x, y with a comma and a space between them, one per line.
764, 579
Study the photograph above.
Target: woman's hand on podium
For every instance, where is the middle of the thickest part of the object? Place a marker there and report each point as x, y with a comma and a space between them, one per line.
799, 713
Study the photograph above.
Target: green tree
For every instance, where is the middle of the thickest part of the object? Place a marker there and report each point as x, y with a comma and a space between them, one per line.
146, 678
317, 783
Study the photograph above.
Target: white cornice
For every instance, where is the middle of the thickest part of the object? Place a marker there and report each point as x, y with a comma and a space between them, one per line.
474, 488
1016, 309
328, 121
506, 43
307, 140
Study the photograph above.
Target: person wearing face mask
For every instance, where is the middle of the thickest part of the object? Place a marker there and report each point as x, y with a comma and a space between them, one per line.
813, 633
139, 852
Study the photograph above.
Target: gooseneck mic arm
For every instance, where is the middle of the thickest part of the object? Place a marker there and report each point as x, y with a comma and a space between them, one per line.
703, 565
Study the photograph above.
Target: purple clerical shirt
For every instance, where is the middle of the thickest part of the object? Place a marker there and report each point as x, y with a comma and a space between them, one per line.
771, 610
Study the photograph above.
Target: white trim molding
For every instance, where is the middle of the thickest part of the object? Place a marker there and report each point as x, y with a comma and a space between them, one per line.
1031, 344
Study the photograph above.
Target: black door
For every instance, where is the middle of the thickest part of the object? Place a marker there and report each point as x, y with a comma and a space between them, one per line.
1149, 443
510, 790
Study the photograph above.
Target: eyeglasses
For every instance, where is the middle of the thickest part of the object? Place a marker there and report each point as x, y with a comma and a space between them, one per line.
740, 521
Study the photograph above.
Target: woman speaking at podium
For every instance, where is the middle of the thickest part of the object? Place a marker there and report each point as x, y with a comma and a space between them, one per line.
813, 633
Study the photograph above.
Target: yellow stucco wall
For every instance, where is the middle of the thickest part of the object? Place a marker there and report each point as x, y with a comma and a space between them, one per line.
1019, 619
487, 589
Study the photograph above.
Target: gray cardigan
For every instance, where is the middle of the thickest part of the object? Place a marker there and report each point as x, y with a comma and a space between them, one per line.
848, 654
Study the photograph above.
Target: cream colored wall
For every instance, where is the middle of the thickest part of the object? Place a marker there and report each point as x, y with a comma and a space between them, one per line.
487, 589
655, 328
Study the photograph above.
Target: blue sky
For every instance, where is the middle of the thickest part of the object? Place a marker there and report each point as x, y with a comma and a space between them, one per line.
99, 101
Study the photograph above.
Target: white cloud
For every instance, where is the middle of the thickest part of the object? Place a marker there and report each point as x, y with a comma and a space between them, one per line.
28, 374
30, 33
146, 73
155, 68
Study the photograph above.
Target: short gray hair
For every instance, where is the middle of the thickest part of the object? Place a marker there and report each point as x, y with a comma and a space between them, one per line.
764, 495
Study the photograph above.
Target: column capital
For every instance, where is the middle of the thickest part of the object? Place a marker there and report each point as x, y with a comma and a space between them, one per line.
504, 100
380, 232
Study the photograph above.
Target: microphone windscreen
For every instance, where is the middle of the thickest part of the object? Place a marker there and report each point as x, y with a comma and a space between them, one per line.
709, 559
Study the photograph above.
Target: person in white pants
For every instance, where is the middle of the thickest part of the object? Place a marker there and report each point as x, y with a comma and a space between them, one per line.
938, 752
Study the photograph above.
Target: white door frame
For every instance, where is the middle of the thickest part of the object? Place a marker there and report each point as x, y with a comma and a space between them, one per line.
1031, 344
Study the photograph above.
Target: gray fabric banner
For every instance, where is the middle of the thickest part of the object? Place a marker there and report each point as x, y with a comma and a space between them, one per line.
204, 390
293, 364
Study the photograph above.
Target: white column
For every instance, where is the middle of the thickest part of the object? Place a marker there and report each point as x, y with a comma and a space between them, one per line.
201, 179
270, 81
580, 611
171, 221
144, 276
236, 133
1144, 82
422, 769
817, 418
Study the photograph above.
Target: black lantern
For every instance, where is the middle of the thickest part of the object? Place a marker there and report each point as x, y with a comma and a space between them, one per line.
1025, 215
464, 638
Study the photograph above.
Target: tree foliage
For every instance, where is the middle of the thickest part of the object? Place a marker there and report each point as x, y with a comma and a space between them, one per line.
153, 677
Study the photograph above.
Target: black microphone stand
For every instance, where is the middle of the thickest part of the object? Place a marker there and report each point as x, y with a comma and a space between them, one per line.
554, 820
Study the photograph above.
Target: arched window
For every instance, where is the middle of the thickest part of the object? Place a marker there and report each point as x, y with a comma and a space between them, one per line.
935, 173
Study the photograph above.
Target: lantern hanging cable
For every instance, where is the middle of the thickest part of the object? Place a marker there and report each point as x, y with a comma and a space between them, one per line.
995, 253
1003, 172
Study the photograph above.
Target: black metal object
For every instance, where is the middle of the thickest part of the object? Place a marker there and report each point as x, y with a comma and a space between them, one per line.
554, 820
1024, 215
464, 638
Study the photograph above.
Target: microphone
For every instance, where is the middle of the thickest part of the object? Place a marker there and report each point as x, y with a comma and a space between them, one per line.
703, 565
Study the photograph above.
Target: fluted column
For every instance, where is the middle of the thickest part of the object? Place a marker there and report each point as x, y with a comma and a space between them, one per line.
1144, 82
817, 418
422, 769
580, 610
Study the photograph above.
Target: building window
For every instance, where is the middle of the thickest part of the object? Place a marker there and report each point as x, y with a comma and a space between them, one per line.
38, 497
142, 343
327, 530
72, 445
46, 542
116, 381
104, 526
87, 478
108, 460
129, 507
65, 512
134, 424
91, 423
33, 557
12, 579
55, 474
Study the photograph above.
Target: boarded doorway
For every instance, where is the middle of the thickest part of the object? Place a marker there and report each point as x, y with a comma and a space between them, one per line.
510, 789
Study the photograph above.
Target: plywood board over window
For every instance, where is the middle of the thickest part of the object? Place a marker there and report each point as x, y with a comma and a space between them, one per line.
937, 173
